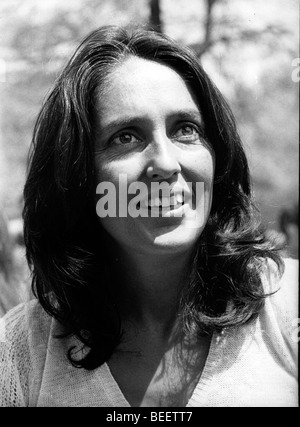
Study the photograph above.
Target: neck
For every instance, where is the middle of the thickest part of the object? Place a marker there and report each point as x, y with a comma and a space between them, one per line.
148, 287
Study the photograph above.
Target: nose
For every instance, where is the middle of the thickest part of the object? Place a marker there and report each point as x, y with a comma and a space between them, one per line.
163, 162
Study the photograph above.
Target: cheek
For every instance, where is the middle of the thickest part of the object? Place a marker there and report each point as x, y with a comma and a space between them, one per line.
106, 173
201, 168
119, 174
110, 170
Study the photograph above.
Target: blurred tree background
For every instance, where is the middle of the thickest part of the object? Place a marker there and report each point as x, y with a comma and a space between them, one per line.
246, 46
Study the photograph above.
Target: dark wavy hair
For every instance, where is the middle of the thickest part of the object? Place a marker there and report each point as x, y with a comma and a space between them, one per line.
67, 249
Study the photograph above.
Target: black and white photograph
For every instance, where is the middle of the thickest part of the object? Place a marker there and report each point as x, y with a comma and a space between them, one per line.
149, 196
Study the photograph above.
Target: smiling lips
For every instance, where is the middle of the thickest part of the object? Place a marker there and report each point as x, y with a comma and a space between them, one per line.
171, 202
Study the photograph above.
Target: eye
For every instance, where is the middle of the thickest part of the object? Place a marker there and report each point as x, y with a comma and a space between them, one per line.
125, 138
187, 132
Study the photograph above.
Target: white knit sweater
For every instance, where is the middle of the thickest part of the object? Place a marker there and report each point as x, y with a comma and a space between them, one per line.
253, 365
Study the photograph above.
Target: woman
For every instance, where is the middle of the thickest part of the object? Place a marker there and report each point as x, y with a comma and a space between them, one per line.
168, 304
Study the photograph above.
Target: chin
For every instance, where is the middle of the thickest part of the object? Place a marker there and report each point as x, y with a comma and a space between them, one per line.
179, 239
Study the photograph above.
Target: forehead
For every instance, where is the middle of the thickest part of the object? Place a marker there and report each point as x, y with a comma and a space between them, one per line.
142, 84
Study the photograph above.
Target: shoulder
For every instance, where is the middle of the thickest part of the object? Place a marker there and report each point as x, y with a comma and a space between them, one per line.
24, 333
283, 286
289, 284
281, 315
24, 321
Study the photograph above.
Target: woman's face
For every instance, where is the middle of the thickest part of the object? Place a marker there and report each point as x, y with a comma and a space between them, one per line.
149, 132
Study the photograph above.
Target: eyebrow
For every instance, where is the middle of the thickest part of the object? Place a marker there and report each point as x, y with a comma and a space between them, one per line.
129, 121
191, 114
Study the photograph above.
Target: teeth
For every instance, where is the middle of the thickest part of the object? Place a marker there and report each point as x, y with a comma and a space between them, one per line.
179, 198
172, 201
164, 201
157, 202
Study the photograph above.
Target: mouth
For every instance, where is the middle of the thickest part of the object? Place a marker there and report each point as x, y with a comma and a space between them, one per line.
174, 205
173, 202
